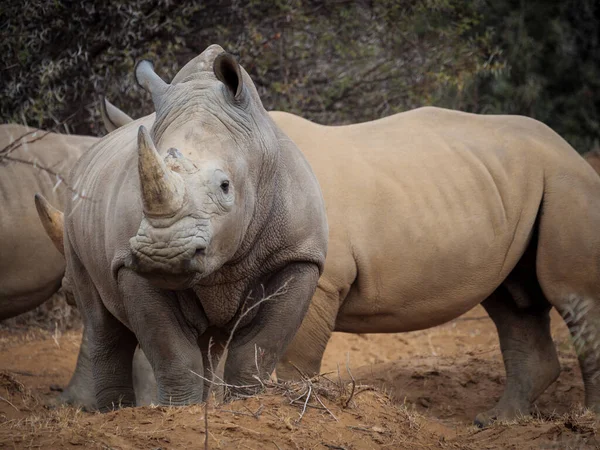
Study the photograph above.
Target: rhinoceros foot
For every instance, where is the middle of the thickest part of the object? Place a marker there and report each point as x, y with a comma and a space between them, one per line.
79, 396
76, 394
499, 413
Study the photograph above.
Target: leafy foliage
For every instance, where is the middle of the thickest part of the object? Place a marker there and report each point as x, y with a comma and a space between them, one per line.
330, 61
552, 49
334, 62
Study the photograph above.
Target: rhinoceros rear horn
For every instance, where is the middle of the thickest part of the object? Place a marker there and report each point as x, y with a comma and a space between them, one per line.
112, 116
162, 189
147, 78
52, 220
227, 70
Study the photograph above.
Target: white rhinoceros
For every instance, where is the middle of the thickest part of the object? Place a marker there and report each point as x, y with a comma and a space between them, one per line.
434, 211
31, 268
187, 226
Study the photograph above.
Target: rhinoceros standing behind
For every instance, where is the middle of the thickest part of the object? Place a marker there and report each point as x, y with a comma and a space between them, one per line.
188, 225
31, 268
432, 212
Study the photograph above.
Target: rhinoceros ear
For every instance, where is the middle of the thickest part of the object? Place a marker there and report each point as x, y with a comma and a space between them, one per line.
52, 220
147, 78
112, 116
227, 70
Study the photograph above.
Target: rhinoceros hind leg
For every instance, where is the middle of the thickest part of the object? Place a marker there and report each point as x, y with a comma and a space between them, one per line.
304, 354
528, 352
567, 263
582, 316
80, 391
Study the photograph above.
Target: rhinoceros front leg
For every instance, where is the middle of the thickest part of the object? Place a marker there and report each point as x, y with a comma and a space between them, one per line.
110, 344
256, 348
303, 356
144, 383
167, 337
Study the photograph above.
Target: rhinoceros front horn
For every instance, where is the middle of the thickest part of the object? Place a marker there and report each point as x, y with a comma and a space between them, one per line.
162, 189
52, 220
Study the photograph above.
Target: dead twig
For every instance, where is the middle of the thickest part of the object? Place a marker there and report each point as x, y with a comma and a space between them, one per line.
211, 382
5, 155
353, 381
305, 403
7, 401
326, 408
58, 176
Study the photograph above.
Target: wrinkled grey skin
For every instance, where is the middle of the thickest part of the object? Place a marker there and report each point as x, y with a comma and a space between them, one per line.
168, 253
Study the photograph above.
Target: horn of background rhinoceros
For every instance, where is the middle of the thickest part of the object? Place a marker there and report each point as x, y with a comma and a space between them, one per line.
112, 116
162, 189
147, 78
52, 220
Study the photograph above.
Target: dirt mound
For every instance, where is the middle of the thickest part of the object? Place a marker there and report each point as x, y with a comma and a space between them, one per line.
269, 421
427, 388
356, 417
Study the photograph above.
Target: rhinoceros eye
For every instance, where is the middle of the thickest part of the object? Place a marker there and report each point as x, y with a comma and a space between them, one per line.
225, 186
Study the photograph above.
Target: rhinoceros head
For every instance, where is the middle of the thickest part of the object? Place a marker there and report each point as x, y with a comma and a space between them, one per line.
199, 168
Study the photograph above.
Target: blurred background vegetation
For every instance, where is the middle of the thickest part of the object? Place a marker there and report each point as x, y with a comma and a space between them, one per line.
330, 61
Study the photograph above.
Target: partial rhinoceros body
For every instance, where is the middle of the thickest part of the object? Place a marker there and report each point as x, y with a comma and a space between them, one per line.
201, 213
432, 212
31, 268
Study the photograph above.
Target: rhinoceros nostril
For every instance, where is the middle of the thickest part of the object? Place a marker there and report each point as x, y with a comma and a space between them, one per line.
200, 251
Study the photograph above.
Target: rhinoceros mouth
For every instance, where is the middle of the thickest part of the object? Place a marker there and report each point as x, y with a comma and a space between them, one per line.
179, 249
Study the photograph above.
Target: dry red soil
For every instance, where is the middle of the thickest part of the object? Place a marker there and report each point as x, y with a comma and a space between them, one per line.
413, 391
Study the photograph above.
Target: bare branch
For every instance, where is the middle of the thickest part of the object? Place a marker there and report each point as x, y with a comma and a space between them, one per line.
352, 378
211, 382
59, 177
3, 399
6, 151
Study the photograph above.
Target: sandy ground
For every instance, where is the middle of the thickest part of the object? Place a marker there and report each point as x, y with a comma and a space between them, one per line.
413, 391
